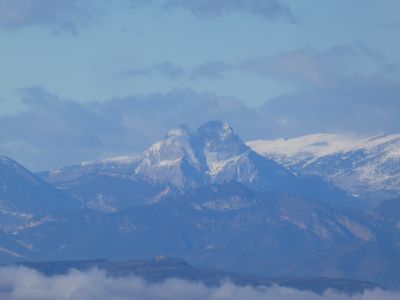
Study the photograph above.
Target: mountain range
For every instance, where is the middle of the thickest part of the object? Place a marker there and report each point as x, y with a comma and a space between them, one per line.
210, 199
213, 154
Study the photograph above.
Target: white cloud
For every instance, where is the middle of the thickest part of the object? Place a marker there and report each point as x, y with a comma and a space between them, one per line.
18, 283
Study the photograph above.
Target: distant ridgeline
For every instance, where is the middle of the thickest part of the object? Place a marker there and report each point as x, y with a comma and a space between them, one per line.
271, 208
367, 168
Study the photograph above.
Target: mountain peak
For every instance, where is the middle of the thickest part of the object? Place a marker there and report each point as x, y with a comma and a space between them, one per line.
216, 130
180, 132
219, 137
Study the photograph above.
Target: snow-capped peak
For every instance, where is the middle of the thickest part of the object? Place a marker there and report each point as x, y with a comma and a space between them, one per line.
180, 132
168, 160
219, 137
213, 153
216, 130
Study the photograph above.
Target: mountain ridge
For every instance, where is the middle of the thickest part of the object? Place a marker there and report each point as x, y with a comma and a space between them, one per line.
366, 167
23, 193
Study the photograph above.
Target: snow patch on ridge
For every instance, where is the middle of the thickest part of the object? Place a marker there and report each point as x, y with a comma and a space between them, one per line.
316, 145
365, 167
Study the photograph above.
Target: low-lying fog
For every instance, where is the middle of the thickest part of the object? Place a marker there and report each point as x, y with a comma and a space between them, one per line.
19, 283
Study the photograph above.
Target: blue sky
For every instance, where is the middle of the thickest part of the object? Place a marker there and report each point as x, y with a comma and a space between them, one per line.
287, 64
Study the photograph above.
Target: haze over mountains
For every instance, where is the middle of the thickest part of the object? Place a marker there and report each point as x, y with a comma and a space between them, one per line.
209, 198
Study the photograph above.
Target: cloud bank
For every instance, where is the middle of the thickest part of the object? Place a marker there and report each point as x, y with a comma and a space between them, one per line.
17, 283
52, 132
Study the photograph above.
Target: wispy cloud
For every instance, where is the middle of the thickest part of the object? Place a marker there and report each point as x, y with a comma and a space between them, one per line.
267, 9
169, 70
59, 15
71, 15
25, 284
211, 70
135, 72
164, 69
307, 65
